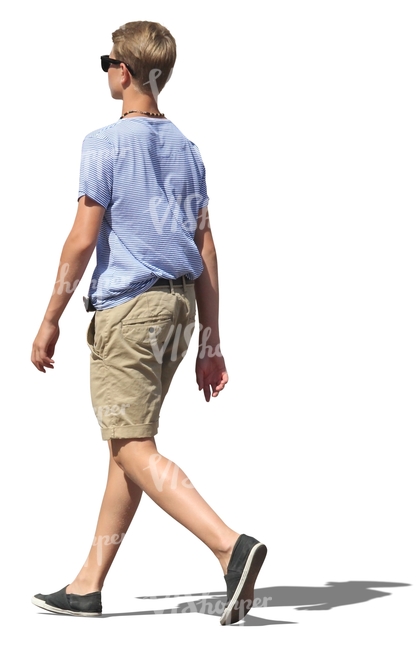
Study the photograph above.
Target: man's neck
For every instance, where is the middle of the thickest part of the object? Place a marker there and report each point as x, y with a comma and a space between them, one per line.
136, 101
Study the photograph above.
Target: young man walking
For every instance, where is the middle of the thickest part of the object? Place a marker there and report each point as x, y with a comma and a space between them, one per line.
143, 206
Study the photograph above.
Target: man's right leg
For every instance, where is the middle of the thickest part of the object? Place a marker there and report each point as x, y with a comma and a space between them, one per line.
240, 556
169, 487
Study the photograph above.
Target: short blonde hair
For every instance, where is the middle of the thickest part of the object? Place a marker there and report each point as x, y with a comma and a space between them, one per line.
149, 50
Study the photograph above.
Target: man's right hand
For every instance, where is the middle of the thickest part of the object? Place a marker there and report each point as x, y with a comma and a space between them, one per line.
211, 375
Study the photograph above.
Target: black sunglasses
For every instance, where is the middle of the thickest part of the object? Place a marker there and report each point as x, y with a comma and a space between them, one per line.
107, 62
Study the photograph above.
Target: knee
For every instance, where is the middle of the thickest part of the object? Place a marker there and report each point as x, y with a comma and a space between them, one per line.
117, 457
119, 452
131, 451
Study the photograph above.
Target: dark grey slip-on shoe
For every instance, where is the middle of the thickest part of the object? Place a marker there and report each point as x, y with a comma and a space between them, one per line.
72, 604
245, 563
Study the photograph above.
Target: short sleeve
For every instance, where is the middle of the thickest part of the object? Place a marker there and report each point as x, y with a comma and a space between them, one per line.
96, 170
204, 199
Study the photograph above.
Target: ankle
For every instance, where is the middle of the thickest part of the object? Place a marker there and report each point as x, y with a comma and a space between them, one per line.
83, 586
223, 553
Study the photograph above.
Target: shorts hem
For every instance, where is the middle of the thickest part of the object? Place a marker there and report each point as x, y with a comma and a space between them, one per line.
134, 431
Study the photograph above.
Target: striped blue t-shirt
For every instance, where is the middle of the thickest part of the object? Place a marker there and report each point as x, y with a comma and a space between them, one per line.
151, 181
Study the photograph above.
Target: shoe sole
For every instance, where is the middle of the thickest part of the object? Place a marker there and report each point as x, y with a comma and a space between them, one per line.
57, 610
242, 600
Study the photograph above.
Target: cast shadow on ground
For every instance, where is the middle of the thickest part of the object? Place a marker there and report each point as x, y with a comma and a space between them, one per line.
329, 596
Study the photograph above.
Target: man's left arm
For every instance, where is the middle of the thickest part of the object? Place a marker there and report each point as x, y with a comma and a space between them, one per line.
75, 256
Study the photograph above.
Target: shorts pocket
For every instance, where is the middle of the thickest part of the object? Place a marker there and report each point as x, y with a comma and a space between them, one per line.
91, 336
153, 330
96, 334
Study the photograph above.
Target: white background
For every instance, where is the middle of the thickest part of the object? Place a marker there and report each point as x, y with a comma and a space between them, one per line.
306, 115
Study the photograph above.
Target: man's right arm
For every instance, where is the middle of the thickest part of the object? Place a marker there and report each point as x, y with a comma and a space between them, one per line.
211, 373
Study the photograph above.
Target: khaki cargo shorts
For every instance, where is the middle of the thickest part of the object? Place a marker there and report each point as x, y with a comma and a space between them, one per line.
135, 349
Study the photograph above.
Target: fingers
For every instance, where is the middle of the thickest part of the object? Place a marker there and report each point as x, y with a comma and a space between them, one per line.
44, 345
41, 361
202, 385
220, 386
211, 387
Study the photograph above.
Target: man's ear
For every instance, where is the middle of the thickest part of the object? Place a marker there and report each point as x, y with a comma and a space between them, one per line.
125, 75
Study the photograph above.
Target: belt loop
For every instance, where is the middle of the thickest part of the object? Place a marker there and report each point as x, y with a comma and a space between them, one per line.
184, 284
171, 286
